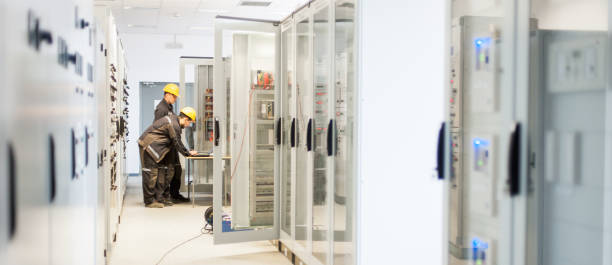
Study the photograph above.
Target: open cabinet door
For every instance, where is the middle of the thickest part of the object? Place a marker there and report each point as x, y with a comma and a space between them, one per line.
245, 164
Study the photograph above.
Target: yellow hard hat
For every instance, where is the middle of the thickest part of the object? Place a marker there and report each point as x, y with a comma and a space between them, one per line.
172, 89
189, 112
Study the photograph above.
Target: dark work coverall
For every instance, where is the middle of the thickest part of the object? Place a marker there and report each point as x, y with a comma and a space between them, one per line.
164, 109
157, 141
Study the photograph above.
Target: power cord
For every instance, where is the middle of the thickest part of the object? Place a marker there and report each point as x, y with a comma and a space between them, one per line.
204, 230
244, 133
177, 246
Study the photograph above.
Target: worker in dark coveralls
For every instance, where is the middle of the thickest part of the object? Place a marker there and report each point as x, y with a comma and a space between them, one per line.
155, 144
165, 107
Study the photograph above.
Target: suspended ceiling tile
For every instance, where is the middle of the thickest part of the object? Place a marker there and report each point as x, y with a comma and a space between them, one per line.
142, 3
181, 3
140, 17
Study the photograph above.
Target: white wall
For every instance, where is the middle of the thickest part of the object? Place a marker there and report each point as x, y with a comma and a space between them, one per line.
401, 112
149, 60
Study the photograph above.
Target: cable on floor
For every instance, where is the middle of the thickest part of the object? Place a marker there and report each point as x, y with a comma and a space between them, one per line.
178, 245
206, 229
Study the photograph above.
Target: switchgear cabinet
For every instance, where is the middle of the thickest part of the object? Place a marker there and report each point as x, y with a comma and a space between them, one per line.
49, 140
569, 199
199, 72
528, 134
291, 131
474, 119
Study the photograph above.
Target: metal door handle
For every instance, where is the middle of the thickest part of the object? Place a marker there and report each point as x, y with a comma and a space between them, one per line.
441, 149
87, 137
52, 172
331, 129
309, 135
293, 133
278, 131
514, 157
12, 168
73, 143
217, 133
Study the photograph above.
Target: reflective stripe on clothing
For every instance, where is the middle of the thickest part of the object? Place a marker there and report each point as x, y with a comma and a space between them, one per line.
153, 151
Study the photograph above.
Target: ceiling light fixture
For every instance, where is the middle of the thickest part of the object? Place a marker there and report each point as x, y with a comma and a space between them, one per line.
254, 3
141, 26
140, 8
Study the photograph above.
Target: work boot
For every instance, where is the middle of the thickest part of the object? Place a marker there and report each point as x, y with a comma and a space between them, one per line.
179, 198
168, 203
155, 205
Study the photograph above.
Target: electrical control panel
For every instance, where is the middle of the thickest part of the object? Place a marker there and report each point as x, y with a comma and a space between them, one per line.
474, 113
50, 144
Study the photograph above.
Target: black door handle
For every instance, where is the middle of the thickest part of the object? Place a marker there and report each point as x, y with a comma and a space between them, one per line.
87, 144
309, 135
217, 133
73, 141
441, 149
293, 133
52, 172
514, 164
331, 128
279, 129
12, 172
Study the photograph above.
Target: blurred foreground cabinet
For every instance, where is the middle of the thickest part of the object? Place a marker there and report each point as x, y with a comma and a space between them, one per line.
527, 134
51, 146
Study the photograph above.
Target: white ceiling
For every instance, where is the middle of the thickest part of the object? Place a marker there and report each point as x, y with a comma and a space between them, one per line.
188, 17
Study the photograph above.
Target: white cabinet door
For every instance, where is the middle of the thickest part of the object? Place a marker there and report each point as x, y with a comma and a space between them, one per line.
246, 183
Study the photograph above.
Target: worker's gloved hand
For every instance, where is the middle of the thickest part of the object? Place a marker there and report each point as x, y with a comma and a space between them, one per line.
193, 152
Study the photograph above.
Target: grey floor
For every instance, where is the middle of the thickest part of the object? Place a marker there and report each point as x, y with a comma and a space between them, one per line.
146, 234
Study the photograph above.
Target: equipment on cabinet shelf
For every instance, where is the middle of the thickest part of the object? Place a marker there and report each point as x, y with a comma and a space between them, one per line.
264, 80
262, 138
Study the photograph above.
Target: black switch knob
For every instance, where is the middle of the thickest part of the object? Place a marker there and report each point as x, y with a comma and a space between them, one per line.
84, 23
72, 58
36, 35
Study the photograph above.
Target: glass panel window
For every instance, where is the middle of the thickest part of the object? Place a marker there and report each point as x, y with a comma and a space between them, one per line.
303, 114
569, 209
320, 196
343, 203
286, 117
251, 135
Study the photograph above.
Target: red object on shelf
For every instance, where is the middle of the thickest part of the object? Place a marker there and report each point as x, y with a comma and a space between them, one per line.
267, 80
